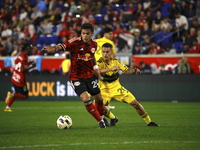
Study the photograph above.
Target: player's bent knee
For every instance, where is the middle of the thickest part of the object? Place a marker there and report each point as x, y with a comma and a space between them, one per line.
134, 103
84, 97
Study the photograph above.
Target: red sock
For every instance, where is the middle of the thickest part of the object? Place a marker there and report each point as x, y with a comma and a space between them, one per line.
93, 111
100, 107
11, 100
20, 96
15, 95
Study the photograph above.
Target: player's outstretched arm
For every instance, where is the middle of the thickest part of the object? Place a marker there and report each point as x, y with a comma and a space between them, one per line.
133, 71
52, 49
109, 69
32, 65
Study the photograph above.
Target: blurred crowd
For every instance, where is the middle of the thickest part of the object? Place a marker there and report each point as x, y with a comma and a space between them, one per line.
182, 67
139, 26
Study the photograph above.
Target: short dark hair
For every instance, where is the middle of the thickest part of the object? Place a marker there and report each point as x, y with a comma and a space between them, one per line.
27, 46
107, 45
107, 30
87, 26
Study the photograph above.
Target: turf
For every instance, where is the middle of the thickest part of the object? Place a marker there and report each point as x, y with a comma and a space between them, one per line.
32, 125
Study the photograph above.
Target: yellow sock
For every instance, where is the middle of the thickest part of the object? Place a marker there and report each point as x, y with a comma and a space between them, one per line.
146, 118
110, 115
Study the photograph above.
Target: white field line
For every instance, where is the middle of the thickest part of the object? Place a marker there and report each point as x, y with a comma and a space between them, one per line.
104, 143
72, 107
45, 107
64, 107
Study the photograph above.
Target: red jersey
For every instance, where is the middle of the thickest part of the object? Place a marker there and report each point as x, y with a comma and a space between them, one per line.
18, 76
155, 50
194, 49
82, 58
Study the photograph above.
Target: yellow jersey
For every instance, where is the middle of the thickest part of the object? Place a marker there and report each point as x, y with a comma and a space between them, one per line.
100, 42
111, 78
66, 65
110, 86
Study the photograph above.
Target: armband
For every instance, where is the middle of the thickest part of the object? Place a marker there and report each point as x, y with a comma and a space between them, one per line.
63, 48
96, 67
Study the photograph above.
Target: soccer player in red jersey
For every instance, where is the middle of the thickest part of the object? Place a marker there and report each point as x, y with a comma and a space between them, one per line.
22, 65
84, 72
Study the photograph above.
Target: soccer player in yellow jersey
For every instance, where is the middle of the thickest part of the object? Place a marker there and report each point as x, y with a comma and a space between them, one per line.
107, 38
111, 87
66, 64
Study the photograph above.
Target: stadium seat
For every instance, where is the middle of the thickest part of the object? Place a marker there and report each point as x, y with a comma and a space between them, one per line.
158, 37
51, 40
103, 10
167, 38
40, 40
54, 29
116, 7
178, 46
165, 9
1, 4
98, 18
124, 25
125, 6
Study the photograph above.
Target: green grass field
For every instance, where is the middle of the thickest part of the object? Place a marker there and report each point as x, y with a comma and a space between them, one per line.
32, 125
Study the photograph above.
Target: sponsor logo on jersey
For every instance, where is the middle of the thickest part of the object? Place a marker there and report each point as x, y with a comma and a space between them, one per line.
93, 50
77, 83
85, 57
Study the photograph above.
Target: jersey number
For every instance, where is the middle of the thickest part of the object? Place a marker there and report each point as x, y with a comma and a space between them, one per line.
122, 90
18, 67
95, 84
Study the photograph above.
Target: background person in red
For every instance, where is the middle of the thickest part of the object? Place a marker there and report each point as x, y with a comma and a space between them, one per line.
84, 71
22, 65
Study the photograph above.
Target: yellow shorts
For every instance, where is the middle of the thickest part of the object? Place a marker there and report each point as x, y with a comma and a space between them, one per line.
119, 93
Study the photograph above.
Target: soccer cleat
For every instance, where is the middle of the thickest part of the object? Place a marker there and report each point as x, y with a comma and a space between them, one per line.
9, 95
113, 121
111, 107
106, 122
7, 110
102, 124
153, 124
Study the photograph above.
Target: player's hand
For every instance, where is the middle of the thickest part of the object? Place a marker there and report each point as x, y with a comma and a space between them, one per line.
44, 50
33, 64
98, 75
137, 71
100, 78
115, 68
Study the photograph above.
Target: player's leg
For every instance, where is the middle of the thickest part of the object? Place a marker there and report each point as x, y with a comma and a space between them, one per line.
81, 90
100, 108
93, 89
20, 93
10, 99
90, 107
107, 97
99, 104
140, 110
111, 116
7, 100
